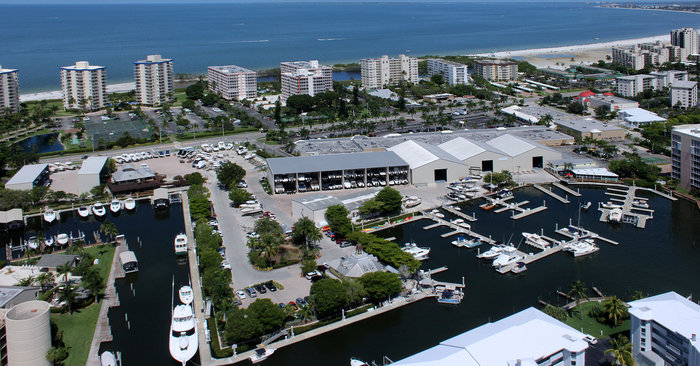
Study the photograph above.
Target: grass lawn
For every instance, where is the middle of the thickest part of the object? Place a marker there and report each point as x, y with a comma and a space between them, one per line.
179, 98
592, 326
79, 327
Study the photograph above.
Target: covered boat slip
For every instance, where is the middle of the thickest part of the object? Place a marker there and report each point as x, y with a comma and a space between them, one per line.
337, 171
128, 261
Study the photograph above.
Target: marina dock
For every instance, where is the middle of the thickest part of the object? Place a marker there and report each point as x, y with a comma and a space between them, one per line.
552, 194
459, 213
529, 258
584, 233
456, 229
566, 189
626, 199
522, 212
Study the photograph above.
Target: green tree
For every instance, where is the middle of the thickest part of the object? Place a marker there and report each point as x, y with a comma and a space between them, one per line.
371, 207
545, 120
194, 178
308, 265
109, 229
92, 280
337, 217
64, 270
355, 290
601, 112
195, 91
300, 103
278, 111
210, 99
229, 174
381, 285
575, 108
390, 199
621, 351
437, 79
239, 196
305, 232
241, 326
328, 297
270, 316
68, 295
305, 312
57, 355
615, 310
578, 291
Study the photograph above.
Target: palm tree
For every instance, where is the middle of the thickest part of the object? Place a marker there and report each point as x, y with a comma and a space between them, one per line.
108, 228
638, 295
578, 290
63, 270
45, 280
305, 312
621, 351
615, 309
93, 281
305, 230
269, 246
67, 295
26, 281
546, 120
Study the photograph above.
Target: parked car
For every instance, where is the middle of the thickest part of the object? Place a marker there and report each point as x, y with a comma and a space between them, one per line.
294, 305
251, 292
313, 274
301, 301
260, 288
225, 265
240, 294
270, 286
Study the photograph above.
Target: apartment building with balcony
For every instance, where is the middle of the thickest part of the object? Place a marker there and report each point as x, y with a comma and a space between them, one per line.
683, 94
687, 39
9, 90
154, 80
496, 70
685, 155
305, 78
84, 86
380, 72
233, 82
452, 72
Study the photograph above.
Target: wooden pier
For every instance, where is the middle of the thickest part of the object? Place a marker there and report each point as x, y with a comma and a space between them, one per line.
529, 258
584, 233
522, 212
550, 193
626, 199
460, 213
456, 229
528, 212
566, 189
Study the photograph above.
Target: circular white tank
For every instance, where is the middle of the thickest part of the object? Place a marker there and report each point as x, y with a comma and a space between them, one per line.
28, 333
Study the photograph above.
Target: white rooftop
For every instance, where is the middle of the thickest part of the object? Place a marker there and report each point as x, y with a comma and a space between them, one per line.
462, 148
684, 84
600, 172
671, 310
93, 165
640, 115
511, 145
417, 154
154, 59
27, 174
82, 65
692, 130
529, 334
230, 69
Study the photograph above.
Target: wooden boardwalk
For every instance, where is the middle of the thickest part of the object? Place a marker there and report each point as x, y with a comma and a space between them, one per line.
528, 212
566, 189
550, 193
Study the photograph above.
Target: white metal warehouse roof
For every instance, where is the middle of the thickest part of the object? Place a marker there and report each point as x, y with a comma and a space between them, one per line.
27, 174
93, 165
418, 154
331, 162
511, 145
462, 148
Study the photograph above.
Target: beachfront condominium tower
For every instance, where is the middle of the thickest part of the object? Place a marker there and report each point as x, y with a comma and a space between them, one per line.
154, 80
685, 155
380, 72
453, 73
305, 78
683, 94
233, 82
685, 38
496, 70
84, 86
9, 91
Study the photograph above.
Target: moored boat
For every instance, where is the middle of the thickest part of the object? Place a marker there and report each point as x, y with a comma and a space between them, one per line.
115, 205
437, 214
107, 358
610, 205
48, 241
181, 244
62, 239
83, 211
49, 215
506, 257
519, 267
261, 354
186, 295
581, 247
98, 209
129, 203
491, 253
356, 362
615, 215
419, 253
536, 239
183, 334
32, 242
586, 205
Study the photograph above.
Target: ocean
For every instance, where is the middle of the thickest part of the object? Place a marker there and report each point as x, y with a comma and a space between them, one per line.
38, 39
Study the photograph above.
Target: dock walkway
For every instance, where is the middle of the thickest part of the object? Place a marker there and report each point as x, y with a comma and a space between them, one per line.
459, 213
626, 201
566, 189
529, 258
550, 193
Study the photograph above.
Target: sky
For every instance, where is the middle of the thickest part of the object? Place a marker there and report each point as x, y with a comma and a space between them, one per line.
28, 2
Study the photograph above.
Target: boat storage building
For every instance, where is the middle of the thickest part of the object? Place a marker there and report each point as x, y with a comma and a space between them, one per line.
28, 177
91, 173
429, 163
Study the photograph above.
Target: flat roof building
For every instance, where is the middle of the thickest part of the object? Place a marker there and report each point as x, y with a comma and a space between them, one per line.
687, 39
154, 80
685, 155
527, 338
453, 73
28, 331
28, 177
637, 117
11, 219
92, 173
633, 85
84, 86
9, 90
612, 102
683, 94
13, 295
314, 205
496, 70
304, 78
233, 82
383, 71
664, 330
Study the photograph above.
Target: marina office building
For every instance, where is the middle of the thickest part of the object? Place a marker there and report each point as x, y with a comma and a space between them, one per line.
84, 86
453, 73
304, 78
527, 338
496, 70
664, 330
380, 72
685, 155
9, 90
154, 80
233, 82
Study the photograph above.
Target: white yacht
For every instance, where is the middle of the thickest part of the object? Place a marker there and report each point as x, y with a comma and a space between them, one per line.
49, 215
507, 256
491, 253
186, 295
610, 205
640, 204
181, 244
48, 241
62, 239
460, 242
98, 209
261, 354
183, 334
437, 214
115, 205
411, 201
129, 203
356, 362
107, 358
461, 223
32, 242
536, 239
582, 247
615, 215
419, 253
83, 211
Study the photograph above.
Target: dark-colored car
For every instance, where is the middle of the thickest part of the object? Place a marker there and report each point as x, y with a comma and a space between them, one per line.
261, 289
270, 286
301, 301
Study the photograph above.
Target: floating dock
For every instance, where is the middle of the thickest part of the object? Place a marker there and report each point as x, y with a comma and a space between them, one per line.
460, 214
566, 189
626, 199
550, 193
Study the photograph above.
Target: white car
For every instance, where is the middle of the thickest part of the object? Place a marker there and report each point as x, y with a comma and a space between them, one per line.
225, 265
590, 339
240, 294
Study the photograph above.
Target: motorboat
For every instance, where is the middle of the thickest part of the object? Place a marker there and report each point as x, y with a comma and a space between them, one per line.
129, 203
83, 211
519, 267
586, 205
491, 253
461, 223
418, 253
62, 239
115, 205
32, 242
261, 354
411, 201
615, 215
186, 295
48, 241
536, 239
98, 209
460, 242
640, 204
181, 244
107, 358
437, 214
610, 205
450, 295
507, 256
183, 334
356, 362
251, 210
49, 215
582, 247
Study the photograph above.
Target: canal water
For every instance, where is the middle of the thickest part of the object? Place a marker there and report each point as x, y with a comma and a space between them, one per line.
42, 143
663, 257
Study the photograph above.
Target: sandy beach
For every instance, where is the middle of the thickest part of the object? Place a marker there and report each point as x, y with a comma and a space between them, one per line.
582, 53
57, 94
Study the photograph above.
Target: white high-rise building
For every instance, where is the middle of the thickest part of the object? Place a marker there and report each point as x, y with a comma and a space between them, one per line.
233, 82
684, 94
9, 90
631, 86
380, 72
452, 72
686, 38
664, 330
685, 155
496, 70
305, 78
154, 80
84, 86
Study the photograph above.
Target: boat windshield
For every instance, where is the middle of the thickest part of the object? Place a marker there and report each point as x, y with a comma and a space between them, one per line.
187, 333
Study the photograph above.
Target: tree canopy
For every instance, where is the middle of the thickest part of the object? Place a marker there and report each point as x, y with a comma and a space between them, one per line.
229, 174
380, 285
337, 217
328, 297
390, 199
